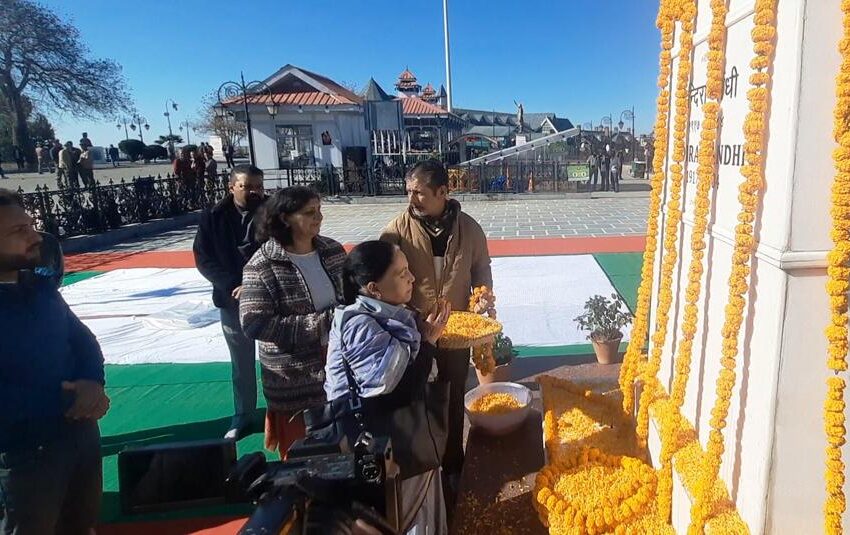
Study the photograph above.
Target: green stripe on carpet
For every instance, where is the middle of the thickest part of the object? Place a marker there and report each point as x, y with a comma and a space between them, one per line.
71, 278
559, 351
623, 270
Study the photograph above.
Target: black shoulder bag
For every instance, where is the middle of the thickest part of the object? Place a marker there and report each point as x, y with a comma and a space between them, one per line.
418, 430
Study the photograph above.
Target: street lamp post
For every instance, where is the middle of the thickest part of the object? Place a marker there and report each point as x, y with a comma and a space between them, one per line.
123, 121
629, 114
607, 120
188, 126
142, 123
170, 133
229, 93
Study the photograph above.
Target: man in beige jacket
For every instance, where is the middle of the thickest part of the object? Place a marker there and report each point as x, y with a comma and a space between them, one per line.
446, 251
63, 170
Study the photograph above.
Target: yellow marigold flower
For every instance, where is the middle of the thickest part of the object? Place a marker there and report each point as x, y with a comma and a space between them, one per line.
495, 403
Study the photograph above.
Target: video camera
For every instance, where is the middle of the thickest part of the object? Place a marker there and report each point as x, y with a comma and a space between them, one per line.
324, 486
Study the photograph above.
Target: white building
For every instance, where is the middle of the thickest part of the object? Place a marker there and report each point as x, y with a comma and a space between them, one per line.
318, 121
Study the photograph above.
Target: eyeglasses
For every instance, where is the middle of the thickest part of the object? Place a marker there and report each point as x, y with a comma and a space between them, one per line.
254, 187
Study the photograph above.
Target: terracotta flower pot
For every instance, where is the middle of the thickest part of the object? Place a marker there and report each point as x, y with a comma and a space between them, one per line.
498, 375
607, 352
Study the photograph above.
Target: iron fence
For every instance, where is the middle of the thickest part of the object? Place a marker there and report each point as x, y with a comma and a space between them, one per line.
381, 179
520, 177
67, 212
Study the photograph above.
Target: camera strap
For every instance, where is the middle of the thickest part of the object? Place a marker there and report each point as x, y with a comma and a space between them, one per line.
353, 388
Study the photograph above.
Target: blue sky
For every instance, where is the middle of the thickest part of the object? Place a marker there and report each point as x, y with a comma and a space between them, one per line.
582, 59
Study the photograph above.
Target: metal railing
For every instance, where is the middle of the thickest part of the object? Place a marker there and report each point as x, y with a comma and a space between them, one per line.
518, 176
381, 179
67, 212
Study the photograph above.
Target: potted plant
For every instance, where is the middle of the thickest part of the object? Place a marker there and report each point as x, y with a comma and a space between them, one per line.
603, 318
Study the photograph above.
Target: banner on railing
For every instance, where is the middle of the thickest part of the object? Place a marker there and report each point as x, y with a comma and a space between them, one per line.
578, 172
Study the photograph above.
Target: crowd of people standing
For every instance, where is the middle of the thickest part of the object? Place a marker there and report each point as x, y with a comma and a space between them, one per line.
75, 164
380, 310
607, 167
195, 169
277, 281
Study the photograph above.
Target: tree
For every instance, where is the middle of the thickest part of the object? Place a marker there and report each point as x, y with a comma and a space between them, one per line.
226, 128
41, 129
174, 138
133, 148
43, 59
354, 87
152, 152
39, 126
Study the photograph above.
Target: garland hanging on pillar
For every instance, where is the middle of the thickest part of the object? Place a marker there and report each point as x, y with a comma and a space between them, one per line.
706, 174
673, 217
666, 22
755, 128
837, 286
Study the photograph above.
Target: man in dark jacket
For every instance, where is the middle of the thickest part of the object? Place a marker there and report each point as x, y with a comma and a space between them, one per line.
51, 394
224, 244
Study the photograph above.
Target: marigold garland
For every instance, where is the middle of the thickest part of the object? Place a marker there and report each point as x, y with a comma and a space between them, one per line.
592, 492
674, 212
706, 175
483, 358
483, 301
666, 23
838, 275
749, 190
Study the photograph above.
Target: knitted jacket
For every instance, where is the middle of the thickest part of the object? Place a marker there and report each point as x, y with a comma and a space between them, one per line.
276, 309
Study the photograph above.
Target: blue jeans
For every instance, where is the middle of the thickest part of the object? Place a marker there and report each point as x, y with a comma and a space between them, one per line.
244, 367
54, 488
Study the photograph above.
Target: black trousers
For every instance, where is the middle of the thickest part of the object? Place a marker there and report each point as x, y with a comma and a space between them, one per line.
453, 366
53, 488
593, 181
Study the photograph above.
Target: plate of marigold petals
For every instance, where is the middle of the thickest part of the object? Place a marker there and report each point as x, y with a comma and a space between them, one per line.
467, 329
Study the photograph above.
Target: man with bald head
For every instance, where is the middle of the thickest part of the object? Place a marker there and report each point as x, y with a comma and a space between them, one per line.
224, 244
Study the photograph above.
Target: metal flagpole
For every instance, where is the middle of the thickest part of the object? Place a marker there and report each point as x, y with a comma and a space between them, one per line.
448, 60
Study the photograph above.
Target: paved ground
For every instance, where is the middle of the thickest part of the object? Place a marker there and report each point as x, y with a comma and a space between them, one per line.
561, 218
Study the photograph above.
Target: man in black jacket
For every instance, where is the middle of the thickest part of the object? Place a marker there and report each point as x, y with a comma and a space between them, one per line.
224, 244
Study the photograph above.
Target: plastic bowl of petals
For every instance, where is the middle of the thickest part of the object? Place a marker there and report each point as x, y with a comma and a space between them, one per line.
503, 420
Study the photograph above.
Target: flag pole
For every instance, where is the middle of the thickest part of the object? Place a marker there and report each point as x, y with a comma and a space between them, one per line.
448, 60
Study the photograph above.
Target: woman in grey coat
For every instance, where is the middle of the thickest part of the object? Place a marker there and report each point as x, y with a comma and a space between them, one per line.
290, 288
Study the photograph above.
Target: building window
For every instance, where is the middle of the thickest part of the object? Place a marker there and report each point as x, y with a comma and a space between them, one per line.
424, 139
295, 146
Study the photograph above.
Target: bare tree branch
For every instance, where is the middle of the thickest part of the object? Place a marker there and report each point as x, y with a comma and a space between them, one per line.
226, 128
44, 60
